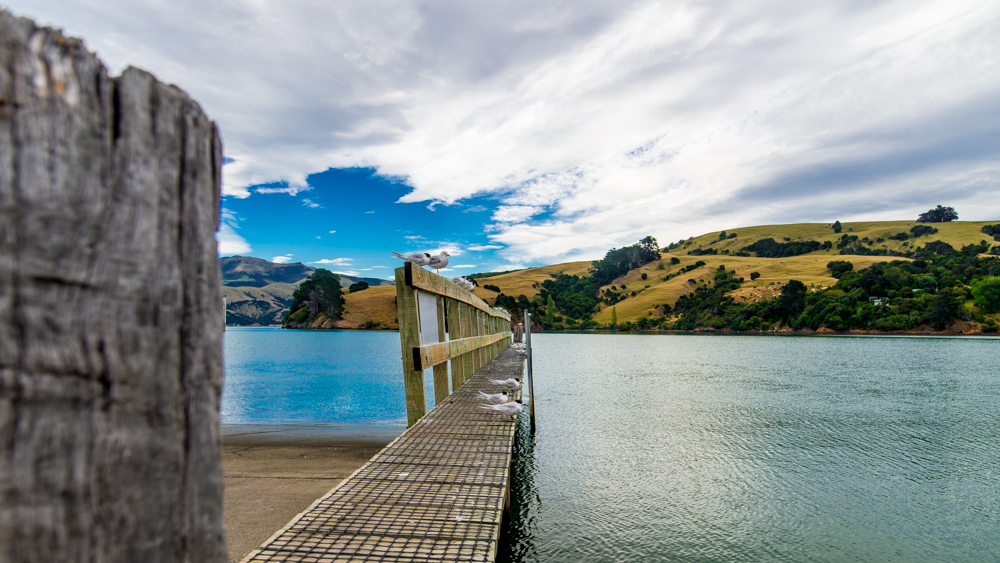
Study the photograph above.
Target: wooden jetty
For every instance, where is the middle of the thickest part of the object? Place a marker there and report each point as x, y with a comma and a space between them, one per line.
439, 491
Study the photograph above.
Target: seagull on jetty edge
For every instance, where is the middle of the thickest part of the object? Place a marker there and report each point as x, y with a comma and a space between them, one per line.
463, 283
512, 408
501, 397
510, 383
439, 261
417, 258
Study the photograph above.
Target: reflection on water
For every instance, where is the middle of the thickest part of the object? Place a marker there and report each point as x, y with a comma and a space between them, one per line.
517, 535
735, 448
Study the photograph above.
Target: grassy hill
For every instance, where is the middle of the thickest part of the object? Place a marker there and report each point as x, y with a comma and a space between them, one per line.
258, 292
376, 304
808, 268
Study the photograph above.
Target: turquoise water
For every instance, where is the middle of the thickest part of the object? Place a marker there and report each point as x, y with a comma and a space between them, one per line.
275, 376
697, 447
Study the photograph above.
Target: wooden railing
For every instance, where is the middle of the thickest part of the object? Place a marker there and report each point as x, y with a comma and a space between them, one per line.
441, 323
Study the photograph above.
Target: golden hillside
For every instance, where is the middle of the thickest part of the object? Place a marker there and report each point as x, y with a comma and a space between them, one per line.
376, 304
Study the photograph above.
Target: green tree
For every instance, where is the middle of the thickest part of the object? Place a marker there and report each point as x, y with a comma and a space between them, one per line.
722, 235
614, 317
358, 286
550, 311
674, 260
839, 268
837, 227
945, 307
986, 295
792, 300
754, 275
938, 214
320, 293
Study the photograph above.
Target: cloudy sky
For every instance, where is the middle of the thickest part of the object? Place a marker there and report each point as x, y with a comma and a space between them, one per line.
526, 133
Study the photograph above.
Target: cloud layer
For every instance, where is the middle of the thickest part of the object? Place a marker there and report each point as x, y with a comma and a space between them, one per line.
591, 124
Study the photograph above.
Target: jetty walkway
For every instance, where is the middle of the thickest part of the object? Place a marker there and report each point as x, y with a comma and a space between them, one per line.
436, 493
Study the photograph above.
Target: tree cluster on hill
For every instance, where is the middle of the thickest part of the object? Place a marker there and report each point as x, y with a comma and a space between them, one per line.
993, 231
570, 301
888, 296
618, 261
770, 248
938, 214
574, 297
319, 294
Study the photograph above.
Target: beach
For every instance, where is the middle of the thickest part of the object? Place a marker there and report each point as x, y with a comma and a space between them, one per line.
274, 472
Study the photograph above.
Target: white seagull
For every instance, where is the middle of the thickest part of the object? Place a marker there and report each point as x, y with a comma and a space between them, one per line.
463, 283
417, 258
511, 383
501, 397
513, 408
439, 261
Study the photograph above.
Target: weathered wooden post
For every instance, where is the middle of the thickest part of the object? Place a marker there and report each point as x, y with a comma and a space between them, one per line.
110, 326
409, 336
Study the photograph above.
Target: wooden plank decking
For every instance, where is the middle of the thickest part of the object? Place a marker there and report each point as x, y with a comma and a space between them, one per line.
436, 493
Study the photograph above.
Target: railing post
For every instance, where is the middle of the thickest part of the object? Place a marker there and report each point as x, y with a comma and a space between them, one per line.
409, 337
531, 379
454, 333
441, 390
468, 359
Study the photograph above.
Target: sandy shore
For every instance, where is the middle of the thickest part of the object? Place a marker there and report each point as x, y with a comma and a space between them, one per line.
272, 473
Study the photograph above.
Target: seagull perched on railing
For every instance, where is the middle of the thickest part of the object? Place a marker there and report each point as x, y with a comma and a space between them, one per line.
417, 258
439, 261
510, 383
512, 408
501, 397
463, 283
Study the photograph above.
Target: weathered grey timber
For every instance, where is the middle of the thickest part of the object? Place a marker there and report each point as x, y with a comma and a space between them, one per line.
110, 326
436, 493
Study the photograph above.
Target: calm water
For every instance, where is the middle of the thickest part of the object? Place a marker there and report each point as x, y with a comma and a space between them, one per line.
757, 448
700, 448
276, 376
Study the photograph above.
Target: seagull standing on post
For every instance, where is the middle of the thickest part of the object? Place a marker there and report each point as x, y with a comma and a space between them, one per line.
417, 258
439, 261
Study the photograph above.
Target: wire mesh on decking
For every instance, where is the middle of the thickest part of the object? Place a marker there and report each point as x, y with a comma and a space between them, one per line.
436, 493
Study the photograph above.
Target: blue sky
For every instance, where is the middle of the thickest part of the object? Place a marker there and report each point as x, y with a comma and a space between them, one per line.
349, 222
554, 130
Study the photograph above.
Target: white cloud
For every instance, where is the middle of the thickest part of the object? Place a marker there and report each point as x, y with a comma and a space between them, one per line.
482, 247
592, 123
331, 232
514, 213
310, 203
413, 237
282, 259
369, 212
352, 273
464, 266
334, 262
230, 242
